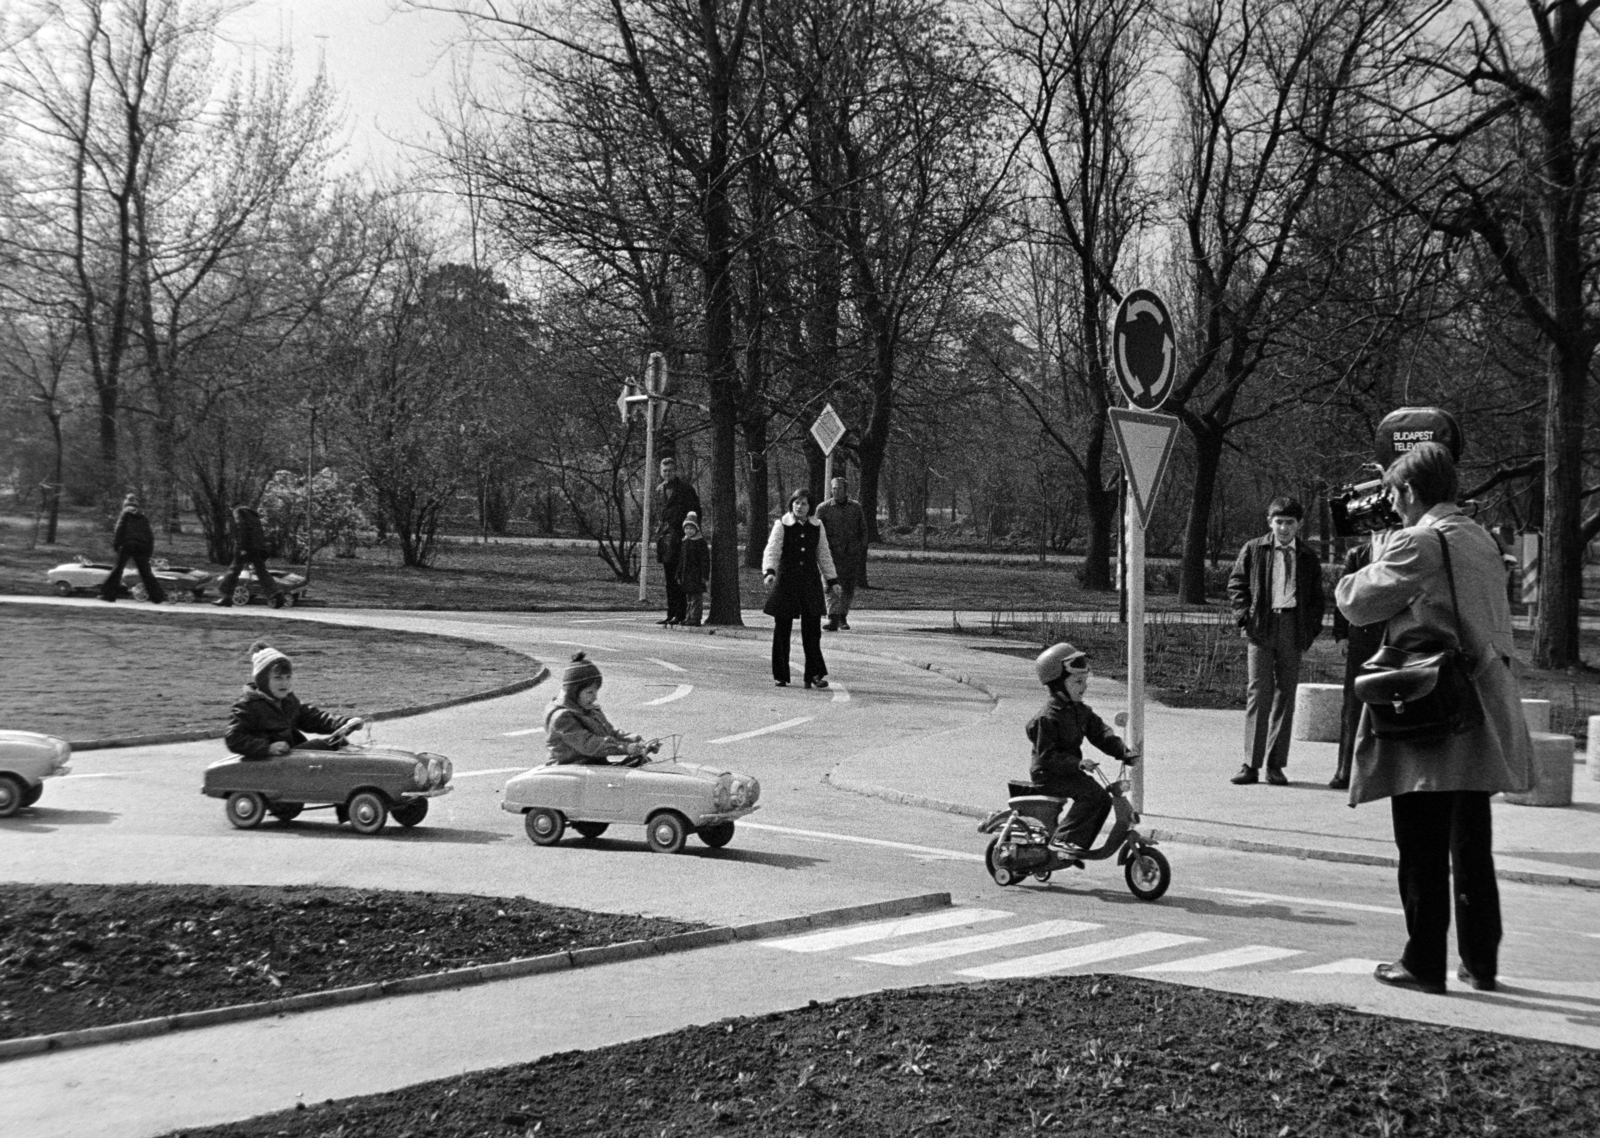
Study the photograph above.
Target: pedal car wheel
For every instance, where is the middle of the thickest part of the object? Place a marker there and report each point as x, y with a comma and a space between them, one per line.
62, 588
276, 600
241, 595
245, 810
1042, 877
1148, 874
1001, 874
137, 591
666, 833
31, 795
368, 812
717, 835
410, 812
286, 811
12, 792
590, 830
544, 826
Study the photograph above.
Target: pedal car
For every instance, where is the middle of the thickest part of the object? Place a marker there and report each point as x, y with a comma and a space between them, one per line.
26, 760
364, 785
291, 588
82, 575
671, 800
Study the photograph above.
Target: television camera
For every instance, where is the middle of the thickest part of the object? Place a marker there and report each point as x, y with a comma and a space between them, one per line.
1360, 508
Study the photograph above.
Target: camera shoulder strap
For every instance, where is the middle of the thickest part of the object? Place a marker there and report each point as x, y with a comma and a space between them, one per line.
1455, 602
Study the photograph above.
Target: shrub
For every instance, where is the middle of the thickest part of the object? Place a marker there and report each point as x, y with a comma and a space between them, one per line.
335, 517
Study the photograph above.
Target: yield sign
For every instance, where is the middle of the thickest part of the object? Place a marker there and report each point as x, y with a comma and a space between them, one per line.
828, 429
1145, 440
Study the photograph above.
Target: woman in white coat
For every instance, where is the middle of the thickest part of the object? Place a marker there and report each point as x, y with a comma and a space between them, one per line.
796, 566
1439, 791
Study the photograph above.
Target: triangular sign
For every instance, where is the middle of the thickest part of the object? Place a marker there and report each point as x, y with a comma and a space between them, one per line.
1145, 440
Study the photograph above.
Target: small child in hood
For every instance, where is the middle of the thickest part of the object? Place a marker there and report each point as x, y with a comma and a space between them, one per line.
694, 566
269, 718
577, 731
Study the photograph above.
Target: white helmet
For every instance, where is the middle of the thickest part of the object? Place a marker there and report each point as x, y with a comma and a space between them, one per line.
1058, 660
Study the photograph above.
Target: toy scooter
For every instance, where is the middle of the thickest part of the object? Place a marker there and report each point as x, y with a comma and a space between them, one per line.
1021, 846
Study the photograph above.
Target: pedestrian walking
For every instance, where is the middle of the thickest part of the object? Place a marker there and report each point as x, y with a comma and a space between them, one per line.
1360, 642
846, 525
133, 540
694, 566
1276, 593
249, 548
798, 571
678, 501
1439, 580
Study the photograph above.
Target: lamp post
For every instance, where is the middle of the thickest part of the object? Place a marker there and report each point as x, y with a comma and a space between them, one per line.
650, 399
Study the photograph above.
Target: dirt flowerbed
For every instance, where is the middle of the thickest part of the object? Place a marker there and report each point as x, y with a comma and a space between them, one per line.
74, 956
1075, 1055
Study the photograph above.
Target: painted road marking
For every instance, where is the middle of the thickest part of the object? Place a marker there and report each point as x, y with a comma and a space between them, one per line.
492, 770
886, 930
922, 853
104, 774
524, 731
1349, 966
1049, 962
784, 726
677, 693
841, 694
666, 665
981, 942
1217, 961
586, 647
1314, 902
657, 640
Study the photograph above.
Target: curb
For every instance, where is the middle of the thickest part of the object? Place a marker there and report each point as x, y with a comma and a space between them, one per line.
466, 977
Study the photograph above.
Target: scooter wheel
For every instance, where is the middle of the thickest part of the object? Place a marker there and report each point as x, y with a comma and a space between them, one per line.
1042, 877
1148, 874
1002, 875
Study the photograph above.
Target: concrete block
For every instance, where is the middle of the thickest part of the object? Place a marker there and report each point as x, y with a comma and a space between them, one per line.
1316, 712
1592, 755
1537, 713
1552, 769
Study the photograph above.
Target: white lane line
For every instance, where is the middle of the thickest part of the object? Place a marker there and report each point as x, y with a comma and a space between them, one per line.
922, 852
981, 942
106, 774
524, 731
784, 726
677, 693
1217, 961
885, 930
587, 647
669, 667
492, 770
657, 640
1314, 902
841, 694
1048, 962
1349, 966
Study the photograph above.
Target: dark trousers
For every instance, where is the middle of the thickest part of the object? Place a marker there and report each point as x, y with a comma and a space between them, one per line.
677, 602
840, 599
1359, 647
265, 581
693, 607
1274, 676
1090, 806
1440, 833
141, 561
810, 640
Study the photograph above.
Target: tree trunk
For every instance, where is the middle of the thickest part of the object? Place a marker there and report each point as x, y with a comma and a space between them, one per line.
1101, 503
724, 384
1207, 463
1561, 576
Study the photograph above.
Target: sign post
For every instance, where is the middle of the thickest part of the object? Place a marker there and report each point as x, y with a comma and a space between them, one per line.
827, 430
1143, 357
633, 398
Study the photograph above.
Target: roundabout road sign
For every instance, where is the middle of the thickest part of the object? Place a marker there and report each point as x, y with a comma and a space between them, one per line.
1143, 349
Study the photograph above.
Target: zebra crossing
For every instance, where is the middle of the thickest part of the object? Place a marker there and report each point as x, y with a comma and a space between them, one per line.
947, 939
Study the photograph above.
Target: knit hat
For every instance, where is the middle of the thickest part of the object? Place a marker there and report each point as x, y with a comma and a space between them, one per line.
262, 657
691, 520
579, 674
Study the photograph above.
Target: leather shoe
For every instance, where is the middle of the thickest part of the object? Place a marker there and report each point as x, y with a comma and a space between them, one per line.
819, 682
223, 602
780, 683
1276, 777
1246, 776
664, 620
1485, 984
1397, 975
844, 624
1339, 782
831, 626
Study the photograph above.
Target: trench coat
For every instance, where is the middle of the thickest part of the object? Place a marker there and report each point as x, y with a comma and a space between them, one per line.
1406, 588
797, 553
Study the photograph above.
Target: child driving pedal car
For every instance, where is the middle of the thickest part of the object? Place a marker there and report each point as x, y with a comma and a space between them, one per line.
268, 719
577, 731
1059, 767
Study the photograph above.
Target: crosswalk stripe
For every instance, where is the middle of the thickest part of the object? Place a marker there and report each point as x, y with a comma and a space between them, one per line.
1231, 958
1350, 965
885, 930
1066, 958
981, 942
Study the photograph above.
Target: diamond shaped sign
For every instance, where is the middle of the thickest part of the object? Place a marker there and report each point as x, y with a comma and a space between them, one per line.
1145, 440
828, 429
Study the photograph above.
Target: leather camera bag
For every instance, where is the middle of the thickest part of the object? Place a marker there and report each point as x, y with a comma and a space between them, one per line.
1421, 696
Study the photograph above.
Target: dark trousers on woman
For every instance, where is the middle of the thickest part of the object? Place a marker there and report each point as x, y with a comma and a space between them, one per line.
1090, 806
266, 583
810, 640
1440, 834
141, 562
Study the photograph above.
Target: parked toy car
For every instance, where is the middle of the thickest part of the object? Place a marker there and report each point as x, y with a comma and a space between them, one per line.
364, 785
82, 575
291, 588
26, 760
671, 800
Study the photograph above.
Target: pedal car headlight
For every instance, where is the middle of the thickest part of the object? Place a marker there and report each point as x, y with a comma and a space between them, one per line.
419, 775
722, 796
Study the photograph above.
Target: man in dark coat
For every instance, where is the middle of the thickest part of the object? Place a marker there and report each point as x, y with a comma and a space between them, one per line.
249, 548
133, 540
678, 501
847, 540
1361, 641
1276, 593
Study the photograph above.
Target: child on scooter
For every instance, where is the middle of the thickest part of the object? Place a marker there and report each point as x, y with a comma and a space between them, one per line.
268, 719
1059, 767
577, 731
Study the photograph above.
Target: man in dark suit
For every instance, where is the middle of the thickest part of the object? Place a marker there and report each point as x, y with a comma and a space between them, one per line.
1276, 593
678, 501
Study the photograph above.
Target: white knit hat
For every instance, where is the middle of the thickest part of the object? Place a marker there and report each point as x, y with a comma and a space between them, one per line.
263, 656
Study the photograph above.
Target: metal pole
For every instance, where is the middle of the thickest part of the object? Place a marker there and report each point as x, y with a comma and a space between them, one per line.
311, 452
827, 475
1135, 593
649, 490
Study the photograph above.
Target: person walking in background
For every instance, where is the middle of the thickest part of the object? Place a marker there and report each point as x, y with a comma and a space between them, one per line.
678, 501
1438, 580
795, 566
846, 526
1360, 642
694, 566
249, 548
1276, 593
133, 540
